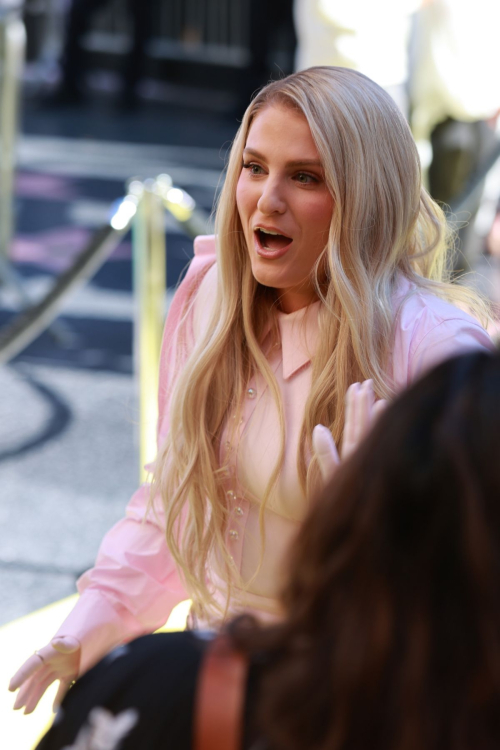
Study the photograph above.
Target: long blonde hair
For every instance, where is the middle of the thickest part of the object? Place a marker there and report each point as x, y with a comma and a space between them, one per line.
384, 225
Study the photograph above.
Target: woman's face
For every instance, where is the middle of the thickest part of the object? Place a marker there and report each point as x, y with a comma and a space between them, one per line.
284, 204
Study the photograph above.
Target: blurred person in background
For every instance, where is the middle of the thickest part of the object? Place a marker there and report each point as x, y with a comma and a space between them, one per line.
328, 268
371, 37
74, 62
438, 60
391, 631
456, 99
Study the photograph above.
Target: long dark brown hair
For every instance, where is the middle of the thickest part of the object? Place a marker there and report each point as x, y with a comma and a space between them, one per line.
392, 634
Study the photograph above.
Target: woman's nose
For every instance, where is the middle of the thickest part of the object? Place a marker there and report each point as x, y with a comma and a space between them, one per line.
271, 200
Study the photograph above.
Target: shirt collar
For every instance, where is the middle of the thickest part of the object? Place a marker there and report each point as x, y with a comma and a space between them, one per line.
299, 337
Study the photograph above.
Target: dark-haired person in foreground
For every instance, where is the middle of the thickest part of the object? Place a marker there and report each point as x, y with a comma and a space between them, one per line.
391, 639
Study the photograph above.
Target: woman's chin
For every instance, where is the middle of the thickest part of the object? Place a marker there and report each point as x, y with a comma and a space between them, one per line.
268, 278
293, 294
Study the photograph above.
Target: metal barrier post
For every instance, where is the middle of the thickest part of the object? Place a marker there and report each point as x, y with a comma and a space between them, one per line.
12, 50
149, 251
144, 209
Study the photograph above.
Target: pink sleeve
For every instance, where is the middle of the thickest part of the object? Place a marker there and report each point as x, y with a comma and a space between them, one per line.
134, 584
447, 339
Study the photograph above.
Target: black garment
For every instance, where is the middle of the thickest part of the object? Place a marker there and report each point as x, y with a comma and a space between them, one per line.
458, 149
271, 25
155, 675
74, 63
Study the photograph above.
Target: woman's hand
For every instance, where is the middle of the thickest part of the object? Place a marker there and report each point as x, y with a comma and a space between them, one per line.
59, 660
361, 411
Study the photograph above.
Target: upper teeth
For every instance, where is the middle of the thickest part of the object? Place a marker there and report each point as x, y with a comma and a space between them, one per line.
267, 231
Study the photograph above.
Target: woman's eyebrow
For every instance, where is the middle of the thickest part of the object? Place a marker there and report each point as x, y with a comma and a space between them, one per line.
297, 163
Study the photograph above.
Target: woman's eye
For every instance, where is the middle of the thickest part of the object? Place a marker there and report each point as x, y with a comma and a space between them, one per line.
305, 179
254, 168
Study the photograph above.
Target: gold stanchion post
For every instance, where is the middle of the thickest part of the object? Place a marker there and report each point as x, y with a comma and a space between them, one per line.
149, 256
12, 49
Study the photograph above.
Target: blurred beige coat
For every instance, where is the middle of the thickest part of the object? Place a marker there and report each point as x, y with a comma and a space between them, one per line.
446, 49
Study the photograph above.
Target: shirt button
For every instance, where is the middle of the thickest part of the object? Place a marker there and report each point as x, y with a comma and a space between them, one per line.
233, 534
251, 393
230, 495
238, 511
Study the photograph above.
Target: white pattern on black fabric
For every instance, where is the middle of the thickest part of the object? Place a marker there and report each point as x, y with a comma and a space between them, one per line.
104, 730
116, 653
58, 717
204, 635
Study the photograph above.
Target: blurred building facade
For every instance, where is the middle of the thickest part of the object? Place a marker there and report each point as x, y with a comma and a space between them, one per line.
207, 42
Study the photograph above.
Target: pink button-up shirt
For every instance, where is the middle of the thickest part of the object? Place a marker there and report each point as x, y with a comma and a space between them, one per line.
134, 584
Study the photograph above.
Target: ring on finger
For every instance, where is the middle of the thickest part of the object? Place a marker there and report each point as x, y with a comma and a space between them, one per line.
37, 653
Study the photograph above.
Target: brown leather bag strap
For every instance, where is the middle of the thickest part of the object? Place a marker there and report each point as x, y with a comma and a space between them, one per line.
220, 697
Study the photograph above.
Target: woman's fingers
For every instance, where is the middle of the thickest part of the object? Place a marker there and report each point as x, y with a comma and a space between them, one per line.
30, 667
358, 409
361, 410
59, 660
350, 416
325, 451
364, 404
23, 695
37, 691
29, 687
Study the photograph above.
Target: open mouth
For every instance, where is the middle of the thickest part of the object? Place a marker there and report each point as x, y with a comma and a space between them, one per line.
272, 240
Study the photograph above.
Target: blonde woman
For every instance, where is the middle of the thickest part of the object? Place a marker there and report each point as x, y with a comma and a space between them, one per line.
329, 267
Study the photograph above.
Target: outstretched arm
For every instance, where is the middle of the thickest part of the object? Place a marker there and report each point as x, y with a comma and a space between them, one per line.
134, 584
